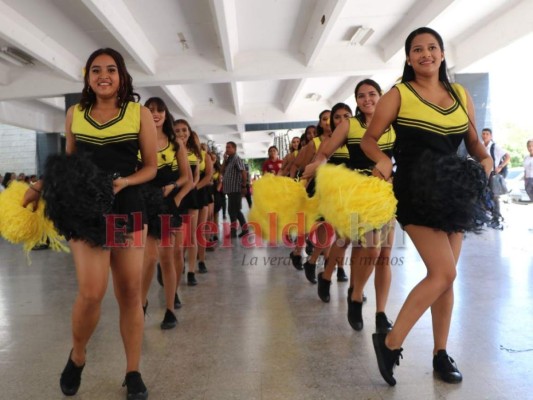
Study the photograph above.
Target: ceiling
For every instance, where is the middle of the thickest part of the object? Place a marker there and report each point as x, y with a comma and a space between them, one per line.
240, 70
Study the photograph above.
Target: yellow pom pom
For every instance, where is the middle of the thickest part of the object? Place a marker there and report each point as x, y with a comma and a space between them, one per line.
281, 207
352, 202
23, 224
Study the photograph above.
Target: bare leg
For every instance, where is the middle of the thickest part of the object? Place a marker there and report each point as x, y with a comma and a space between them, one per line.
92, 271
382, 277
126, 266
149, 262
436, 251
168, 270
192, 248
441, 309
202, 218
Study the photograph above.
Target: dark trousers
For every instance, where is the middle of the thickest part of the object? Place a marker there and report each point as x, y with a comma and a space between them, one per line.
234, 210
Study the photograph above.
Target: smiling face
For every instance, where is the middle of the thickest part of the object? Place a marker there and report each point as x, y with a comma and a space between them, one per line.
324, 120
340, 115
182, 131
157, 115
530, 147
104, 79
425, 54
295, 142
367, 97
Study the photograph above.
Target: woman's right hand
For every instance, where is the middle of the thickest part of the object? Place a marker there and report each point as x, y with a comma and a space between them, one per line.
383, 169
31, 196
310, 170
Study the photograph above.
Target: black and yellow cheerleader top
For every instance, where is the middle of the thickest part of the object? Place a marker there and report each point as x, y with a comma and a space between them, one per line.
167, 166
113, 145
422, 126
357, 158
434, 186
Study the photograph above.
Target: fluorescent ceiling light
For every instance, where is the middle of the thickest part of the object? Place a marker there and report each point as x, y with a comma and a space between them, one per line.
360, 35
15, 56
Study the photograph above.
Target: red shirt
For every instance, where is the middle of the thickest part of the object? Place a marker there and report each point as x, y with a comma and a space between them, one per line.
272, 166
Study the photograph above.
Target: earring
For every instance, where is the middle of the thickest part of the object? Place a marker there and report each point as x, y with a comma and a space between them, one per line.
408, 63
442, 60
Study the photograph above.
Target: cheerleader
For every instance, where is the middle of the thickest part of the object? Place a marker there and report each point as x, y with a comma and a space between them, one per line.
305, 156
289, 158
190, 204
339, 112
163, 196
204, 199
437, 191
107, 128
372, 256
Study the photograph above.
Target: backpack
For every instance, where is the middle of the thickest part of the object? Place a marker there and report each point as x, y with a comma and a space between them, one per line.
504, 169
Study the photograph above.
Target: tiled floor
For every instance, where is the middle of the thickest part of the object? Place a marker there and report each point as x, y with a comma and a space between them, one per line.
253, 330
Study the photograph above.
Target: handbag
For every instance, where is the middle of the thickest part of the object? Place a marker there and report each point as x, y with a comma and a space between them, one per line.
497, 184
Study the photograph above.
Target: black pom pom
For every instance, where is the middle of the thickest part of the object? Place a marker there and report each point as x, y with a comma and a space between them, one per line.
448, 192
77, 196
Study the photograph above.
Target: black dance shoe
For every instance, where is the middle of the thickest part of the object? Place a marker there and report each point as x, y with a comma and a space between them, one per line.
445, 368
341, 275
177, 302
355, 314
202, 268
323, 288
350, 290
135, 386
70, 377
191, 279
386, 357
383, 324
296, 261
309, 247
170, 321
310, 272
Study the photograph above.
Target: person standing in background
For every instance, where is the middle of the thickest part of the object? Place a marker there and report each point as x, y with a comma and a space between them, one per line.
528, 170
234, 181
500, 158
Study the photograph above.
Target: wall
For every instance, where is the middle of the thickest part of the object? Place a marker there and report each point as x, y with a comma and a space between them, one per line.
17, 150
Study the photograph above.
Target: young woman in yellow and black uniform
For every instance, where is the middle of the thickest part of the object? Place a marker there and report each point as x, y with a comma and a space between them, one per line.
105, 131
190, 204
363, 259
204, 196
289, 158
437, 191
305, 156
163, 195
339, 112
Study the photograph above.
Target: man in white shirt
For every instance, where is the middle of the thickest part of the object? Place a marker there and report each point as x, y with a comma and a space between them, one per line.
501, 158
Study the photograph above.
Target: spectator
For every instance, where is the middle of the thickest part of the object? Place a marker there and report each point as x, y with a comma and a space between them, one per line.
528, 170
273, 163
500, 158
234, 184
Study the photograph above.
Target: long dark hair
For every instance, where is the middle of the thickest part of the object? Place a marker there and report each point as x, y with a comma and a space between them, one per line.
168, 124
358, 113
7, 178
334, 109
192, 145
125, 91
319, 129
409, 72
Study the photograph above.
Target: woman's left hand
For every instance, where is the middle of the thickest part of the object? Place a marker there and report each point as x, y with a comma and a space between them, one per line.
487, 165
119, 184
